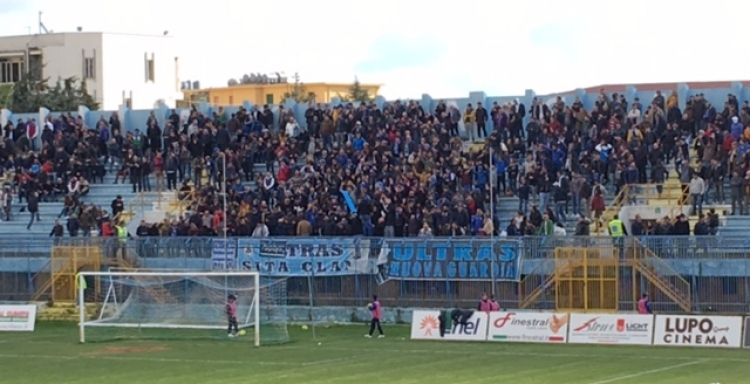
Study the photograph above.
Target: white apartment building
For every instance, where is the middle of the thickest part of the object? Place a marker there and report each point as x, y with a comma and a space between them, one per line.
136, 71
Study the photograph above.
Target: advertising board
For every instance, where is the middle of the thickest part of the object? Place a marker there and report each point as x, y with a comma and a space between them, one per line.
528, 327
698, 331
17, 318
611, 329
425, 325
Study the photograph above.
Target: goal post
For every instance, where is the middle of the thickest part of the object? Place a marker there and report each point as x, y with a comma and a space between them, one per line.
169, 304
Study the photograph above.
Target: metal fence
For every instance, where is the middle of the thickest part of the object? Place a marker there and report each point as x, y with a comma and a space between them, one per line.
716, 267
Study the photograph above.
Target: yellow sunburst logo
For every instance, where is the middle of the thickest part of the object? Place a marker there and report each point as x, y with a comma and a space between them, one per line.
428, 324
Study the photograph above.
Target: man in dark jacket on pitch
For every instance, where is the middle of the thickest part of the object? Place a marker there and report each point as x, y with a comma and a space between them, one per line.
458, 316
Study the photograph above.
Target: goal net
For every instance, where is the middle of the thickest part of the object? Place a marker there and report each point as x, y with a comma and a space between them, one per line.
180, 305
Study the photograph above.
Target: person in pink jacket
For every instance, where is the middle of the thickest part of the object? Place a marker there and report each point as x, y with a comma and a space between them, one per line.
376, 311
644, 305
485, 305
494, 305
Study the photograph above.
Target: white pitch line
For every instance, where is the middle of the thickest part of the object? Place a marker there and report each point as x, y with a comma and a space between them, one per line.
644, 373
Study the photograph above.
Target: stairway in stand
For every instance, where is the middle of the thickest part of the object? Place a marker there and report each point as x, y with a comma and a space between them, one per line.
662, 277
57, 279
532, 291
151, 286
587, 278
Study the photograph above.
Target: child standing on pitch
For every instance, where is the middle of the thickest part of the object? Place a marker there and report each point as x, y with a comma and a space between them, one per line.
232, 315
376, 311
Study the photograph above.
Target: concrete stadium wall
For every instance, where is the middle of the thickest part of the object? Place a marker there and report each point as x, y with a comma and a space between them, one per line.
709, 267
136, 119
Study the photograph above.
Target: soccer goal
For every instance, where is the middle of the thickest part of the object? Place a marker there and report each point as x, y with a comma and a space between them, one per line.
180, 305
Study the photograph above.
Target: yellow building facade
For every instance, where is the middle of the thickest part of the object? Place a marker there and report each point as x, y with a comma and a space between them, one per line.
260, 94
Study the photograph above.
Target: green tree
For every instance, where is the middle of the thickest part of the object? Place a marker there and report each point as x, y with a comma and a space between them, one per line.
6, 96
298, 93
55, 100
84, 98
30, 92
33, 92
357, 94
69, 99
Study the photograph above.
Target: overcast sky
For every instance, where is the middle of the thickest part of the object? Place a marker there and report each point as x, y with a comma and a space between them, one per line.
443, 48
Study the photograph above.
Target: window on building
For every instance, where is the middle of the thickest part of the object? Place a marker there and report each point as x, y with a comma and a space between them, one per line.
36, 65
89, 68
231, 100
10, 70
216, 100
150, 68
269, 98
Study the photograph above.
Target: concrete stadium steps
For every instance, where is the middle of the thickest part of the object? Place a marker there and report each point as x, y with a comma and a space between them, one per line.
48, 213
648, 194
100, 194
261, 168
507, 208
729, 224
735, 226
66, 312
170, 203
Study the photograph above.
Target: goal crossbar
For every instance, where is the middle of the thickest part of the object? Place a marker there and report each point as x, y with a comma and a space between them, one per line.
255, 307
160, 326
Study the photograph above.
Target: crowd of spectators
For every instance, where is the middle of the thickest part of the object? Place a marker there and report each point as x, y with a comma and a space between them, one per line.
407, 171
404, 171
55, 161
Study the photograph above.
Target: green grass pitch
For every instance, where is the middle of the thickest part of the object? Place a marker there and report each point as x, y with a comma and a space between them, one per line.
51, 354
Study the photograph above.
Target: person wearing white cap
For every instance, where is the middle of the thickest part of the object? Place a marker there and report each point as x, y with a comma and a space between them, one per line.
736, 128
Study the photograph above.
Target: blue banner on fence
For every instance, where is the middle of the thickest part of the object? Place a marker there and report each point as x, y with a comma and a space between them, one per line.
303, 257
223, 254
451, 259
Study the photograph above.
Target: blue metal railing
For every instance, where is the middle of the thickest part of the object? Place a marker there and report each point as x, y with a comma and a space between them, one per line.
717, 267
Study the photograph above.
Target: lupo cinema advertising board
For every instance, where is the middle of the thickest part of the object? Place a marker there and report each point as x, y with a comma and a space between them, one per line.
698, 331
